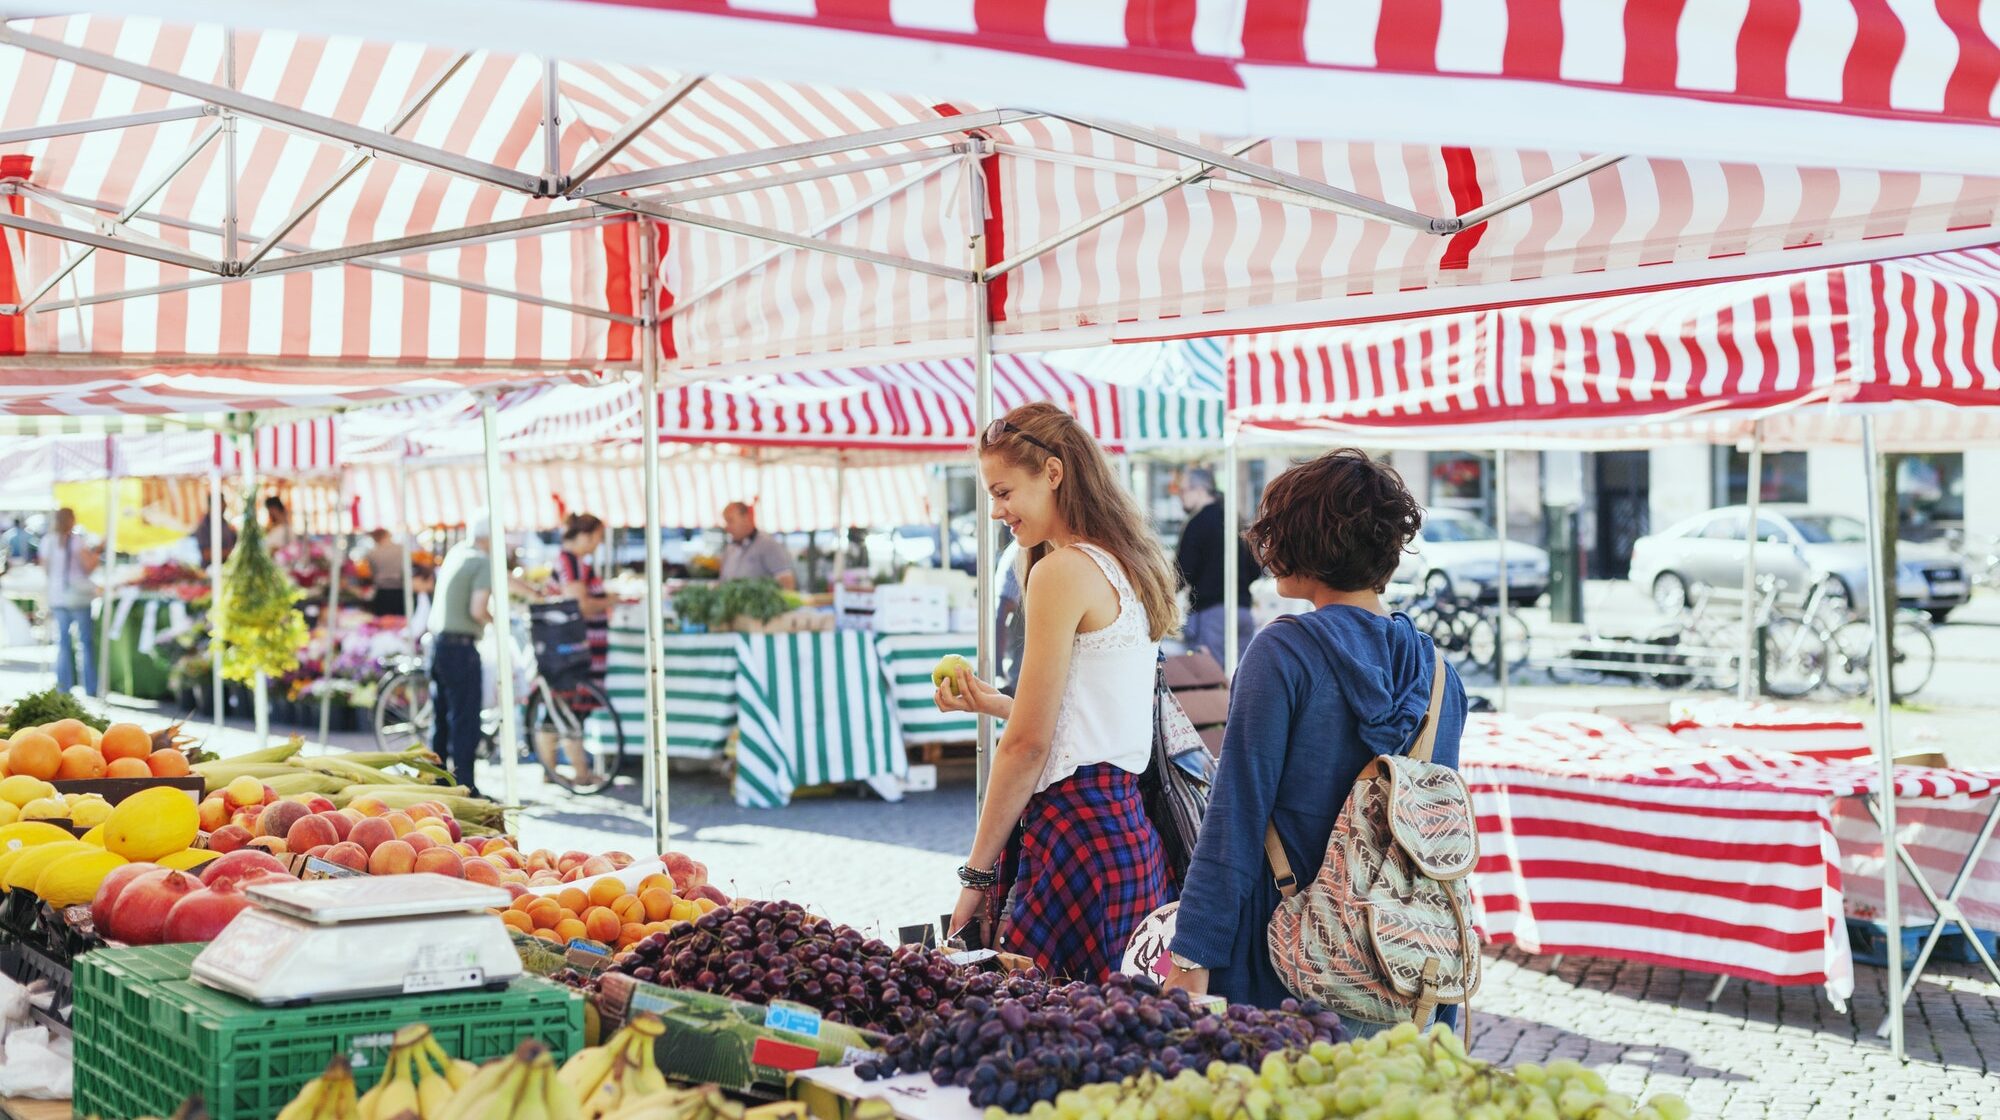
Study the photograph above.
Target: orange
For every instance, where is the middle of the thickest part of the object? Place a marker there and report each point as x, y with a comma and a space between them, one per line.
569, 929
66, 732
125, 740
601, 924
658, 903
629, 909
517, 920
573, 899
545, 912
34, 754
80, 762
606, 891
126, 768
167, 764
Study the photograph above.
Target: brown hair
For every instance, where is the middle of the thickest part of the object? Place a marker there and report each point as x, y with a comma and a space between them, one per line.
1342, 519
1091, 503
581, 525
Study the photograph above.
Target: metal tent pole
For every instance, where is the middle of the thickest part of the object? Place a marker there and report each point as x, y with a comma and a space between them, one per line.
1753, 492
409, 527
982, 411
1880, 619
1506, 583
656, 675
503, 628
110, 569
944, 518
839, 516
215, 585
1230, 596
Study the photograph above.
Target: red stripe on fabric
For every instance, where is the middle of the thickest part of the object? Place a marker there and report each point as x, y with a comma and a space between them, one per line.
1161, 24
1406, 39
13, 328
1534, 40
1275, 30
1969, 91
1690, 964
1652, 37
855, 11
1871, 61
1805, 941
618, 296
669, 349
1462, 177
1647, 804
1026, 19
1796, 855
1759, 894
1763, 45
1810, 725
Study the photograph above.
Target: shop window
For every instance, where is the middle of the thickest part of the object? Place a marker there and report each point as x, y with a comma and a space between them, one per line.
1930, 493
1784, 476
1460, 481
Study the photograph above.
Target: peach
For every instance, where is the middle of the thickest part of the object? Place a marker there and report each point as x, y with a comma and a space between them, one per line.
619, 860
422, 811
308, 833
392, 857
243, 793
600, 924
603, 892
401, 822
479, 871
505, 857
369, 806
570, 929
437, 832
514, 890
658, 903
353, 815
597, 865
348, 854
421, 841
451, 826
371, 833
213, 813
572, 859
658, 880
246, 819
544, 912
629, 909
318, 804
278, 819
272, 844
318, 851
228, 838
341, 823
440, 861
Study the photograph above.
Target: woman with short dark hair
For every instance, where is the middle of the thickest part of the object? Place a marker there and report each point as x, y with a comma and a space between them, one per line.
1317, 697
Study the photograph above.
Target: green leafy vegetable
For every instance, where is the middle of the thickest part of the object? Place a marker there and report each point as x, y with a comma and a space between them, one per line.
38, 709
254, 617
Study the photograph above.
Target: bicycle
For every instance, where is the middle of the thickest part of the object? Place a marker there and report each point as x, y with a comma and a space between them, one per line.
1467, 630
554, 718
1913, 656
1794, 642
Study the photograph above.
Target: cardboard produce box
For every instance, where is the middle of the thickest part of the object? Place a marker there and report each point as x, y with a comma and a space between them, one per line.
746, 1047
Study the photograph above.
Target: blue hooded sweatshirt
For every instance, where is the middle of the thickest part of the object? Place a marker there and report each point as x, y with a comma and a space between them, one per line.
1317, 696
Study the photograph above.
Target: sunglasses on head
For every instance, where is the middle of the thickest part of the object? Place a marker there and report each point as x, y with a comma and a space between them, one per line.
1000, 428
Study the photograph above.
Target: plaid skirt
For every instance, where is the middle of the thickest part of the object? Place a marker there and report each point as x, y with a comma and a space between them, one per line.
1090, 869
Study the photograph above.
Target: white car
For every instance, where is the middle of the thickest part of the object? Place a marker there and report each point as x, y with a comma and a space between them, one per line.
1458, 554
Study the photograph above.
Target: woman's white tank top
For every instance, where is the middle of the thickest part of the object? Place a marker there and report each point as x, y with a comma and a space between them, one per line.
1106, 714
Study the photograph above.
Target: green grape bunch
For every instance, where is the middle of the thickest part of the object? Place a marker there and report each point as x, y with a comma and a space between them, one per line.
255, 616
1400, 1074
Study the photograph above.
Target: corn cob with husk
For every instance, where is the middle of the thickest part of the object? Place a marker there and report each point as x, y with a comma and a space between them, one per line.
294, 782
350, 769
468, 810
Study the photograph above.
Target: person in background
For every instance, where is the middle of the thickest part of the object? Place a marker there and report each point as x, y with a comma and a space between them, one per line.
20, 544
204, 538
1200, 558
277, 523
385, 574
1320, 695
752, 554
583, 536
69, 562
1065, 773
460, 612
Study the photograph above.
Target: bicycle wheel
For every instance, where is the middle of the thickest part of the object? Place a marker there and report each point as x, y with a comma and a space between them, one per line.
578, 737
1795, 656
1847, 655
403, 712
1914, 658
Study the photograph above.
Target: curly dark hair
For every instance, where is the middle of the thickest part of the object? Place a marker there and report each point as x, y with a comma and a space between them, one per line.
1342, 519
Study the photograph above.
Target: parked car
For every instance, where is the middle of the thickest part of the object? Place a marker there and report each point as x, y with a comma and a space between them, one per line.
1458, 554
1802, 547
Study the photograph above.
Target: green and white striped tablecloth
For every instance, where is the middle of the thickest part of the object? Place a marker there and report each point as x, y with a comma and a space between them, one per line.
907, 661
700, 692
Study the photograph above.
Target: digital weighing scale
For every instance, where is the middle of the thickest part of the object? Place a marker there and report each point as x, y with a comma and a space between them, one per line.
334, 939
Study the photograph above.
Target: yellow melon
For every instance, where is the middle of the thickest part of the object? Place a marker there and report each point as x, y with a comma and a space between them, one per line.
27, 867
187, 860
73, 879
152, 823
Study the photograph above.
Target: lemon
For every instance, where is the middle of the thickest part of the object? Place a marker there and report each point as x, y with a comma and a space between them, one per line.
187, 860
30, 833
29, 865
152, 823
45, 809
9, 812
94, 838
22, 788
89, 812
73, 879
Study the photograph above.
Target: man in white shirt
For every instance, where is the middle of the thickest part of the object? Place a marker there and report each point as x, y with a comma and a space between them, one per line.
69, 562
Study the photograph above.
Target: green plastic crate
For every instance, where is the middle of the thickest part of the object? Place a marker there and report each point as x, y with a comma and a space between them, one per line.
147, 1037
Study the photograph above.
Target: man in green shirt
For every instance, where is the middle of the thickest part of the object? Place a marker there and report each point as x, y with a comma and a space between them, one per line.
460, 611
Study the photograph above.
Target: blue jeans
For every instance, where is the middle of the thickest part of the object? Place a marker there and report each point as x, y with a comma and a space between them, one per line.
1359, 1028
456, 686
73, 624
1205, 630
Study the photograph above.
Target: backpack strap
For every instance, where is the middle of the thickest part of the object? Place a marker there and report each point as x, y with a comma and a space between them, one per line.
1274, 849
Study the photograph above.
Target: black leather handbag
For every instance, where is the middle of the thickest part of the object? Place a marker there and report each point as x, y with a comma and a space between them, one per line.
1176, 782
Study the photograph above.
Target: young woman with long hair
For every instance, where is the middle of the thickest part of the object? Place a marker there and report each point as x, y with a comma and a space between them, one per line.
1099, 596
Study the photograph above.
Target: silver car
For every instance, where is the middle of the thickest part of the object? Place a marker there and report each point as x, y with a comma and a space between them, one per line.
1456, 553
1800, 546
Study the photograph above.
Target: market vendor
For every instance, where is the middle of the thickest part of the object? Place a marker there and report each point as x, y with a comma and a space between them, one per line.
583, 537
460, 612
385, 574
1099, 595
752, 553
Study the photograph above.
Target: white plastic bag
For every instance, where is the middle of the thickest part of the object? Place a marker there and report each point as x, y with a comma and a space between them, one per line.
37, 1066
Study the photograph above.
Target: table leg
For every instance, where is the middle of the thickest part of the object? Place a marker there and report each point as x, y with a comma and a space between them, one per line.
1946, 908
1715, 993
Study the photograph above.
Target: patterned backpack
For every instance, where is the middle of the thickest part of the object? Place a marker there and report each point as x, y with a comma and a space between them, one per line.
1384, 932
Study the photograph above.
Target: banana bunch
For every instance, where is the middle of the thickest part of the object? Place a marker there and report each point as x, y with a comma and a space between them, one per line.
703, 1103
523, 1086
623, 1069
330, 1096
421, 1079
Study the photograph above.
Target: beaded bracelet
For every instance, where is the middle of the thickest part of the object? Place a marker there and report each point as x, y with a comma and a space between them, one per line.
978, 880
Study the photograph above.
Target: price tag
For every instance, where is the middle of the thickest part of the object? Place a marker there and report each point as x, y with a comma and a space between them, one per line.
792, 1018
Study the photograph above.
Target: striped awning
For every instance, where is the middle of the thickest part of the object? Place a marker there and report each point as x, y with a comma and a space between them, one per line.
426, 219
1709, 359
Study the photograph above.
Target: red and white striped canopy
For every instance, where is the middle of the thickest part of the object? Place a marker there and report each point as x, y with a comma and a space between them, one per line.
1891, 85
808, 226
1922, 329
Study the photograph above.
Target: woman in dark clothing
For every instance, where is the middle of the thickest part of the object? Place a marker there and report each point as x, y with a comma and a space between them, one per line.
583, 535
1316, 698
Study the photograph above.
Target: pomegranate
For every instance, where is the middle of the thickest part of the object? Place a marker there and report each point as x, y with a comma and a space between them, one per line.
238, 865
143, 906
106, 903
202, 914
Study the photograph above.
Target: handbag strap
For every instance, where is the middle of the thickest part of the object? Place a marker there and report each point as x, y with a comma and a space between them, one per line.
1274, 849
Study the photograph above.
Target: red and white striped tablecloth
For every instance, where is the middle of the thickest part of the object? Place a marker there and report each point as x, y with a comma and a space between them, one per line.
1606, 839
1733, 723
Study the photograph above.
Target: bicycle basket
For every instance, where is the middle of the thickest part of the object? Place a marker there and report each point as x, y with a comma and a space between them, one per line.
561, 639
